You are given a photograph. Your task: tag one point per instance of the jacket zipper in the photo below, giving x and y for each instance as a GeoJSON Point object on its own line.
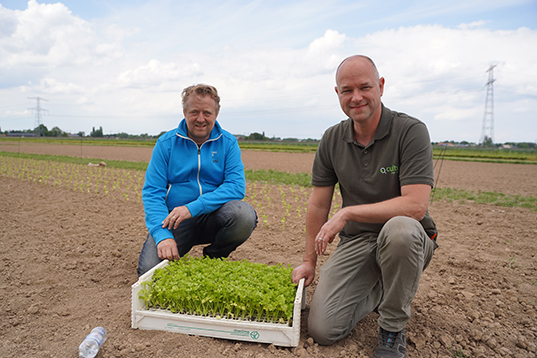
{"type": "Point", "coordinates": [199, 158]}
{"type": "Point", "coordinates": [199, 168]}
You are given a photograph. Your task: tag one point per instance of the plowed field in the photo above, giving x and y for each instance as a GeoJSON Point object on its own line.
{"type": "Point", "coordinates": [69, 257]}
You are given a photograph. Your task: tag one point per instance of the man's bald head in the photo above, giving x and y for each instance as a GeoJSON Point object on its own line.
{"type": "Point", "coordinates": [358, 58]}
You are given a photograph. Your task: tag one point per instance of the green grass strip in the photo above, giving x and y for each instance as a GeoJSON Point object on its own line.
{"type": "Point", "coordinates": [474, 154]}
{"type": "Point", "coordinates": [304, 179]}
{"type": "Point", "coordinates": [485, 197]}
{"type": "Point", "coordinates": [279, 147]}
{"type": "Point", "coordinates": [121, 164]}
{"type": "Point", "coordinates": [276, 177]}
{"type": "Point", "coordinates": [511, 156]}
{"type": "Point", "coordinates": [486, 160]}
{"type": "Point", "coordinates": [107, 142]}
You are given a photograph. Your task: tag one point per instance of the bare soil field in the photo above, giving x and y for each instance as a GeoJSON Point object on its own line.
{"type": "Point", "coordinates": [68, 259]}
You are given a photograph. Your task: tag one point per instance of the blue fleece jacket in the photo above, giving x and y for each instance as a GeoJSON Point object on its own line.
{"type": "Point", "coordinates": [180, 173]}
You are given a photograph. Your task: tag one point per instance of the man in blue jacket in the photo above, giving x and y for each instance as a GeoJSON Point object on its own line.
{"type": "Point", "coordinates": [194, 185]}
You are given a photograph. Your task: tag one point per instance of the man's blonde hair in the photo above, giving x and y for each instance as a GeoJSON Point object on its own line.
{"type": "Point", "coordinates": [201, 90]}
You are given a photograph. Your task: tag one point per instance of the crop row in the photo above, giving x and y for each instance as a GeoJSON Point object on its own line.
{"type": "Point", "coordinates": [100, 180]}
{"type": "Point", "coordinates": [277, 206]}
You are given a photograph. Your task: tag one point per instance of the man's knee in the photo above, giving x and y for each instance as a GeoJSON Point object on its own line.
{"type": "Point", "coordinates": [399, 234]}
{"type": "Point", "coordinates": [323, 326]}
{"type": "Point", "coordinates": [242, 213]}
{"type": "Point", "coordinates": [401, 226]}
{"type": "Point", "coordinates": [325, 334]}
{"type": "Point", "coordinates": [318, 328]}
{"type": "Point", "coordinates": [240, 219]}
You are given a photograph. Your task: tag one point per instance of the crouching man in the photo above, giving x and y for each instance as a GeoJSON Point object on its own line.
{"type": "Point", "coordinates": [194, 185]}
{"type": "Point", "coordinates": [383, 163]}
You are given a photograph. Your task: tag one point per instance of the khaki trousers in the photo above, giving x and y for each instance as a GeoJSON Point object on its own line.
{"type": "Point", "coordinates": [367, 272]}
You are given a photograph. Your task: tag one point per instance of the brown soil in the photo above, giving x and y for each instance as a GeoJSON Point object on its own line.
{"type": "Point", "coordinates": [69, 256]}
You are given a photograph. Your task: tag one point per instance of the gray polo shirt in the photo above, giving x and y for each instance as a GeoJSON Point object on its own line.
{"type": "Point", "coordinates": [400, 154]}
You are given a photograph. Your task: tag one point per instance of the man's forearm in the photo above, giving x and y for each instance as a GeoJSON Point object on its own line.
{"type": "Point", "coordinates": [412, 203]}
{"type": "Point", "coordinates": [315, 218]}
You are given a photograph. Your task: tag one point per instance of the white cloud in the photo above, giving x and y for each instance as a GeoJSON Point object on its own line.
{"type": "Point", "coordinates": [271, 76]}
{"type": "Point", "coordinates": [473, 25]}
{"type": "Point", "coordinates": [449, 113]}
{"type": "Point", "coordinates": [156, 73]}
{"type": "Point", "coordinates": [47, 36]}
{"type": "Point", "coordinates": [332, 40]}
{"type": "Point", "coordinates": [52, 87]}
{"type": "Point", "coordinates": [435, 57]}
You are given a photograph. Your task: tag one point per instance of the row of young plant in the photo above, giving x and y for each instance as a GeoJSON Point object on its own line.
{"type": "Point", "coordinates": [265, 189]}
{"type": "Point", "coordinates": [221, 288]}
{"type": "Point", "coordinates": [120, 183]}
{"type": "Point", "coordinates": [281, 205]}
{"type": "Point", "coordinates": [277, 205]}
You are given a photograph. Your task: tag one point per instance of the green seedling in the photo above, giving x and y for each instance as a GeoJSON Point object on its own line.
{"type": "Point", "coordinates": [223, 289]}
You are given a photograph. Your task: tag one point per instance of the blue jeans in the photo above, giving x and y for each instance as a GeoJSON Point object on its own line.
{"type": "Point", "coordinates": [224, 229]}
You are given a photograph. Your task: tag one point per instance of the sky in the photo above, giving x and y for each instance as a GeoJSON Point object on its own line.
{"type": "Point", "coordinates": [122, 64]}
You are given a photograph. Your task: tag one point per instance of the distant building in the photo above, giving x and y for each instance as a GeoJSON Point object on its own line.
{"type": "Point", "coordinates": [20, 134]}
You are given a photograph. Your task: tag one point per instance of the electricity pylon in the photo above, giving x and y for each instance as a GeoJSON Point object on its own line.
{"type": "Point", "coordinates": [487, 133]}
{"type": "Point", "coordinates": [38, 111]}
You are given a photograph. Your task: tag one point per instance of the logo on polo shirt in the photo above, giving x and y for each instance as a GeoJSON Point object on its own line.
{"type": "Point", "coordinates": [394, 169]}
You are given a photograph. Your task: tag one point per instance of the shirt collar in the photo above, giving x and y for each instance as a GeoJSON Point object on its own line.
{"type": "Point", "coordinates": [385, 123]}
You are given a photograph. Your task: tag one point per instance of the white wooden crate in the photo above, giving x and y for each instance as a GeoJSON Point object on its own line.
{"type": "Point", "coordinates": [156, 319]}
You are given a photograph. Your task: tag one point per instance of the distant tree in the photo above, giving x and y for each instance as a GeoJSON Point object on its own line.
{"type": "Point", "coordinates": [123, 135]}
{"type": "Point", "coordinates": [256, 136]}
{"type": "Point", "coordinates": [57, 132]}
{"type": "Point", "coordinates": [487, 142]}
{"type": "Point", "coordinates": [526, 145]}
{"type": "Point", "coordinates": [97, 133]}
{"type": "Point", "coordinates": [81, 134]}
{"type": "Point", "coordinates": [41, 131]}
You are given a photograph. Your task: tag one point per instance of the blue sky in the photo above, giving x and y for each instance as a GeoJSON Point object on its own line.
{"type": "Point", "coordinates": [122, 64]}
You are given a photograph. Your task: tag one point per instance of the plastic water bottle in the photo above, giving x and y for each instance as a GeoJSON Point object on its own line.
{"type": "Point", "coordinates": [91, 344]}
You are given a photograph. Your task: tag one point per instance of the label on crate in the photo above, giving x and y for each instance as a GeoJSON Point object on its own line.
{"type": "Point", "coordinates": [235, 332]}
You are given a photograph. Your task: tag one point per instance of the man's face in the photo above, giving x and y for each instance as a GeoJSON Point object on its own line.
{"type": "Point", "coordinates": [359, 90]}
{"type": "Point", "coordinates": [200, 115]}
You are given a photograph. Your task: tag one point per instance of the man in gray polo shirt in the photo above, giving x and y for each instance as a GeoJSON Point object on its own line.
{"type": "Point", "coordinates": [383, 163]}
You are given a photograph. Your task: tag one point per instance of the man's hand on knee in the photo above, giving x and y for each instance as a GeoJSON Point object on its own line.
{"type": "Point", "coordinates": [175, 217]}
{"type": "Point", "coordinates": [167, 250]}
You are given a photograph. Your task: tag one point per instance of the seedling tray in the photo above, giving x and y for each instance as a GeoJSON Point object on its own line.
{"type": "Point", "coordinates": [284, 335]}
